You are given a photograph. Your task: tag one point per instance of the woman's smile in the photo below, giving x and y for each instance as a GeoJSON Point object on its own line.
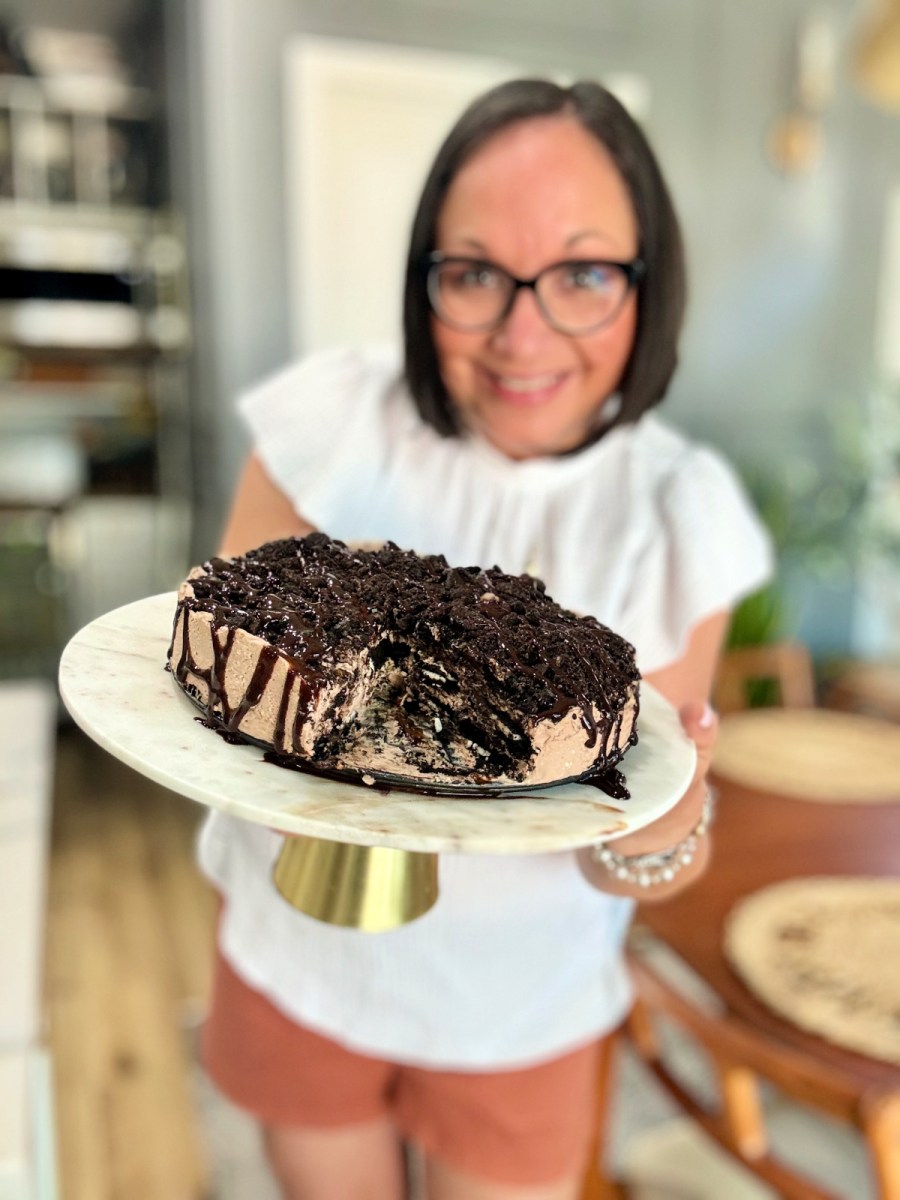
{"type": "Point", "coordinates": [525, 390]}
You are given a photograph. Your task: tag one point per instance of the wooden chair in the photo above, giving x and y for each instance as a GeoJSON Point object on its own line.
{"type": "Point", "coordinates": [866, 687]}
{"type": "Point", "coordinates": [744, 1061]}
{"type": "Point", "coordinates": [597, 1183]}
{"type": "Point", "coordinates": [787, 664]}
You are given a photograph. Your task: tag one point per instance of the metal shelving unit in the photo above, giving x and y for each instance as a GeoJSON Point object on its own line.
{"type": "Point", "coordinates": [94, 336]}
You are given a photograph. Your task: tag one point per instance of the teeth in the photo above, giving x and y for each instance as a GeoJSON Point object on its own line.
{"type": "Point", "coordinates": [534, 384]}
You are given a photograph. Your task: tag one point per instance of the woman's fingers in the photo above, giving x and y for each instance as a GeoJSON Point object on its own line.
{"type": "Point", "coordinates": [701, 724]}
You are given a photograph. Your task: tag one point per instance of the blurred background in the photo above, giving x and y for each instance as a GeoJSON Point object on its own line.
{"type": "Point", "coordinates": [193, 193]}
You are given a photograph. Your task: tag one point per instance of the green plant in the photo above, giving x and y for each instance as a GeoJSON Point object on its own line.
{"type": "Point", "coordinates": [818, 503]}
{"type": "Point", "coordinates": [757, 619]}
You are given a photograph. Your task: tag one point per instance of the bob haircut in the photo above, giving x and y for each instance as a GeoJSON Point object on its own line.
{"type": "Point", "coordinates": [661, 293]}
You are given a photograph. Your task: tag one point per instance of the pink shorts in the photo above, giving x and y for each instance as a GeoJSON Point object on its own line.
{"type": "Point", "coordinates": [532, 1126]}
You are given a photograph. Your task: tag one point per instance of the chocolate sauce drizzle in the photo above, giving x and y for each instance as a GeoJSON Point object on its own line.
{"type": "Point", "coordinates": [496, 639]}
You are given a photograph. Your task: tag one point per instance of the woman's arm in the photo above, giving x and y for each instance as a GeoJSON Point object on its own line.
{"type": "Point", "coordinates": [260, 512]}
{"type": "Point", "coordinates": [687, 684]}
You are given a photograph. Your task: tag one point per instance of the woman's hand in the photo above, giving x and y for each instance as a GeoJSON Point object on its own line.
{"type": "Point", "coordinates": [701, 725]}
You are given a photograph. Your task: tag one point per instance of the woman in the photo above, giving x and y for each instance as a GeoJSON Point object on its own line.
{"type": "Point", "coordinates": [544, 296]}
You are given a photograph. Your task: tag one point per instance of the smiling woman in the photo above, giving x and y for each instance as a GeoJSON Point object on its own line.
{"type": "Point", "coordinates": [525, 177]}
{"type": "Point", "coordinates": [524, 385]}
{"type": "Point", "coordinates": [544, 296]}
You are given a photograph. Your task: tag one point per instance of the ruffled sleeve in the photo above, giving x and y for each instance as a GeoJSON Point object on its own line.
{"type": "Point", "coordinates": [705, 550]}
{"type": "Point", "coordinates": [318, 426]}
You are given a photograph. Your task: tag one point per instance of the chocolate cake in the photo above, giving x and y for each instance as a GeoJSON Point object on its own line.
{"type": "Point", "coordinates": [385, 663]}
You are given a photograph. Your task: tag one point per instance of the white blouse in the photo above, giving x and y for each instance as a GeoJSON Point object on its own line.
{"type": "Point", "coordinates": [520, 958]}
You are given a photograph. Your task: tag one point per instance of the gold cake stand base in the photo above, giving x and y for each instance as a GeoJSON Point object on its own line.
{"type": "Point", "coordinates": [371, 888]}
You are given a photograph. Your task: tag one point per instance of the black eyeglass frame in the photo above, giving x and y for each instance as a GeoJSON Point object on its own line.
{"type": "Point", "coordinates": [634, 272]}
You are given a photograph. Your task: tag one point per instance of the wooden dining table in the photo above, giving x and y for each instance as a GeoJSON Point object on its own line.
{"type": "Point", "coordinates": [762, 837]}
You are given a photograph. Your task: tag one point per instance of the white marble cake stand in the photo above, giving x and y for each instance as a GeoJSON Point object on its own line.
{"type": "Point", "coordinates": [113, 682]}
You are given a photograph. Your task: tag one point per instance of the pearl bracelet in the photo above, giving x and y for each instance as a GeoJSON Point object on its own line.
{"type": "Point", "coordinates": [648, 870]}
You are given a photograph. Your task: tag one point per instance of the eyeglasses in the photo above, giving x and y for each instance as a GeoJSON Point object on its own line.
{"type": "Point", "coordinates": [576, 297]}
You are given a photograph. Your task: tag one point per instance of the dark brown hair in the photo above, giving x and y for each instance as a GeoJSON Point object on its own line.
{"type": "Point", "coordinates": [661, 298]}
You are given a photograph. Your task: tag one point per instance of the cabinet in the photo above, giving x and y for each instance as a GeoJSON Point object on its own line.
{"type": "Point", "coordinates": [95, 335]}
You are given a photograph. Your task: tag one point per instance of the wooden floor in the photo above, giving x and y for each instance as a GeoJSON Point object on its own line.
{"type": "Point", "coordinates": [129, 936]}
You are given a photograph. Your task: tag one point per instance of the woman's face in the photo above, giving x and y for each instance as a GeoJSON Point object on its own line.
{"type": "Point", "coordinates": [537, 193]}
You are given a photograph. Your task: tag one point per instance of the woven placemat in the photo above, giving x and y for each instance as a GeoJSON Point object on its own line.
{"type": "Point", "coordinates": [811, 754]}
{"type": "Point", "coordinates": [824, 953]}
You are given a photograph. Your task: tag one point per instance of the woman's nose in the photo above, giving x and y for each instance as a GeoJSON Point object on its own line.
{"type": "Point", "coordinates": [525, 328]}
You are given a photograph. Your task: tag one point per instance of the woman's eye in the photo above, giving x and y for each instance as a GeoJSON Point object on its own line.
{"type": "Point", "coordinates": [589, 276]}
{"type": "Point", "coordinates": [478, 277]}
